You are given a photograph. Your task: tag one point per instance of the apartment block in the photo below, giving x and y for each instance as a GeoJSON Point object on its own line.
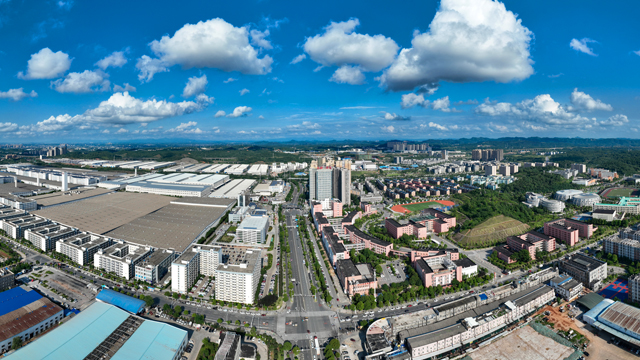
{"type": "Point", "coordinates": [565, 230]}
{"type": "Point", "coordinates": [396, 229]}
{"type": "Point", "coordinates": [153, 268]}
{"type": "Point", "coordinates": [333, 245]}
{"type": "Point", "coordinates": [622, 247]}
{"type": "Point", "coordinates": [15, 227]}
{"type": "Point", "coordinates": [121, 258]}
{"type": "Point", "coordinates": [45, 237]}
{"type": "Point", "coordinates": [185, 271]}
{"type": "Point", "coordinates": [372, 243]}
{"type": "Point", "coordinates": [532, 241]}
{"type": "Point", "coordinates": [566, 286]}
{"type": "Point", "coordinates": [81, 248]}
{"type": "Point", "coordinates": [238, 279]}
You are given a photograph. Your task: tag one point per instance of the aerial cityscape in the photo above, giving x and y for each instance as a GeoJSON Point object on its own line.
{"type": "Point", "coordinates": [452, 179]}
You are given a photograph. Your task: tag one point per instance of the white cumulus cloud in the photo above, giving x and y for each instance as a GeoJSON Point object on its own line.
{"type": "Point", "coordinates": [16, 94]}
{"type": "Point", "coordinates": [46, 64]}
{"type": "Point", "coordinates": [438, 126]}
{"type": "Point", "coordinates": [8, 127]}
{"type": "Point", "coordinates": [583, 46]}
{"type": "Point", "coordinates": [259, 39]}
{"type": "Point", "coordinates": [187, 128]}
{"type": "Point", "coordinates": [410, 100]}
{"type": "Point", "coordinates": [467, 41]}
{"type": "Point", "coordinates": [393, 116]}
{"type": "Point", "coordinates": [340, 45]}
{"type": "Point", "coordinates": [388, 129]}
{"type": "Point", "coordinates": [195, 85]}
{"type": "Point", "coordinates": [220, 113]}
{"type": "Point", "coordinates": [240, 111]}
{"type": "Point", "coordinates": [115, 59]}
{"type": "Point", "coordinates": [244, 92]}
{"type": "Point", "coordinates": [348, 75]}
{"type": "Point", "coordinates": [298, 58]}
{"type": "Point", "coordinates": [84, 82]}
{"type": "Point", "coordinates": [123, 109]}
{"type": "Point", "coordinates": [542, 108]}
{"type": "Point", "coordinates": [615, 120]}
{"type": "Point", "coordinates": [208, 44]}
{"type": "Point", "coordinates": [584, 101]}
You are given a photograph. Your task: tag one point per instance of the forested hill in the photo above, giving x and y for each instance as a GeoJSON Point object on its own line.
{"type": "Point", "coordinates": [624, 161]}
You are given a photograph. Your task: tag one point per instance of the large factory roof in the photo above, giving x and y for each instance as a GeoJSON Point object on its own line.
{"type": "Point", "coordinates": [102, 214]}
{"type": "Point", "coordinates": [174, 226]}
{"type": "Point", "coordinates": [233, 188]}
{"type": "Point", "coordinates": [58, 198]}
{"type": "Point", "coordinates": [80, 337]}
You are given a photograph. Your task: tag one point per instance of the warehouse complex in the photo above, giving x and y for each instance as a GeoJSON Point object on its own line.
{"type": "Point", "coordinates": [25, 313]}
{"type": "Point", "coordinates": [105, 331]}
{"type": "Point", "coordinates": [616, 318]}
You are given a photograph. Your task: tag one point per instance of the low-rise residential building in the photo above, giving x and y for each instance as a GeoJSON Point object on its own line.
{"type": "Point", "coordinates": [320, 221]}
{"type": "Point", "coordinates": [45, 237]}
{"type": "Point", "coordinates": [569, 231]}
{"type": "Point", "coordinates": [238, 279]}
{"type": "Point", "coordinates": [81, 248]}
{"type": "Point", "coordinates": [333, 245]}
{"type": "Point", "coordinates": [355, 278]}
{"type": "Point", "coordinates": [589, 271]}
{"type": "Point", "coordinates": [253, 230]}
{"type": "Point", "coordinates": [121, 258]}
{"type": "Point", "coordinates": [440, 267]}
{"type": "Point", "coordinates": [566, 286]}
{"type": "Point", "coordinates": [372, 243]}
{"type": "Point", "coordinates": [350, 218]}
{"type": "Point", "coordinates": [532, 241]}
{"type": "Point", "coordinates": [155, 266]}
{"type": "Point", "coordinates": [396, 229]}
{"type": "Point", "coordinates": [504, 253]}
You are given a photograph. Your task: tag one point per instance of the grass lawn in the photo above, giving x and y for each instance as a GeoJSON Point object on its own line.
{"type": "Point", "coordinates": [622, 192]}
{"type": "Point", "coordinates": [496, 228]}
{"type": "Point", "coordinates": [421, 206]}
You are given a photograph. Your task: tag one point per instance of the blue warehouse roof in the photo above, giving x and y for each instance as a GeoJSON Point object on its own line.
{"type": "Point", "coordinates": [122, 301]}
{"type": "Point", "coordinates": [16, 298]}
{"type": "Point", "coordinates": [79, 336]}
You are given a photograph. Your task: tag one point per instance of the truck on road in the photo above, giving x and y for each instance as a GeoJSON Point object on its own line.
{"type": "Point", "coordinates": [315, 338]}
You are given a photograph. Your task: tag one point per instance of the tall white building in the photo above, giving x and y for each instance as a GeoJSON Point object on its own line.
{"type": "Point", "coordinates": [320, 183]}
{"type": "Point", "coordinates": [198, 259]}
{"type": "Point", "coordinates": [237, 280]}
{"type": "Point", "coordinates": [184, 271]}
{"type": "Point", "coordinates": [80, 248]}
{"type": "Point", "coordinates": [45, 237]}
{"type": "Point", "coordinates": [253, 230]}
{"type": "Point", "coordinates": [121, 258]}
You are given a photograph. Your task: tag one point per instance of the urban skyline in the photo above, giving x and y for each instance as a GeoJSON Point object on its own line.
{"type": "Point", "coordinates": [279, 72]}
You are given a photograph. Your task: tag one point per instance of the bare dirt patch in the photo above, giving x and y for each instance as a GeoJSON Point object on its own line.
{"type": "Point", "coordinates": [523, 344]}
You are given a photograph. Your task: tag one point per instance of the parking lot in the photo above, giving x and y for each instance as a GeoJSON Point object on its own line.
{"type": "Point", "coordinates": [388, 277]}
{"type": "Point", "coordinates": [55, 283]}
{"type": "Point", "coordinates": [204, 288]}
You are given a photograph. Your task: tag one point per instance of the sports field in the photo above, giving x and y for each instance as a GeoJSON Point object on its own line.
{"type": "Point", "coordinates": [407, 208]}
{"type": "Point", "coordinates": [496, 228]}
{"type": "Point", "coordinates": [619, 192]}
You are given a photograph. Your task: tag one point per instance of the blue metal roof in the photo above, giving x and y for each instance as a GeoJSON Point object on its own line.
{"type": "Point", "coordinates": [16, 298]}
{"type": "Point", "coordinates": [122, 301]}
{"type": "Point", "coordinates": [152, 340]}
{"type": "Point", "coordinates": [79, 336]}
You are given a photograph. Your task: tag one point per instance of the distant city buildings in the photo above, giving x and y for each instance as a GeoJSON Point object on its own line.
{"type": "Point", "coordinates": [487, 155]}
{"type": "Point", "coordinates": [603, 174]}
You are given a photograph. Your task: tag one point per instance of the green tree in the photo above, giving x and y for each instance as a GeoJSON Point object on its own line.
{"type": "Point", "coordinates": [16, 343]}
{"type": "Point", "coordinates": [522, 256]}
{"type": "Point", "coordinates": [220, 321]}
{"type": "Point", "coordinates": [295, 350]}
{"type": "Point", "coordinates": [287, 346]}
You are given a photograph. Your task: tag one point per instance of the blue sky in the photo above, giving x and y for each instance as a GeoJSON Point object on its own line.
{"type": "Point", "coordinates": [73, 71]}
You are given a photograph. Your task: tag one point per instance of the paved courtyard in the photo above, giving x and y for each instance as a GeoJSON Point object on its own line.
{"type": "Point", "coordinates": [523, 344]}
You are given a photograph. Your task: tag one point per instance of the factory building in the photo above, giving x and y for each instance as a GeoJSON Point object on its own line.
{"type": "Point", "coordinates": [616, 318]}
{"type": "Point", "coordinates": [81, 248]}
{"type": "Point", "coordinates": [589, 271]}
{"type": "Point", "coordinates": [169, 189]}
{"type": "Point", "coordinates": [121, 258]}
{"type": "Point", "coordinates": [18, 202]}
{"type": "Point", "coordinates": [103, 331]}
{"type": "Point", "coordinates": [26, 314]}
{"type": "Point", "coordinates": [238, 279]}
{"type": "Point", "coordinates": [45, 237]}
